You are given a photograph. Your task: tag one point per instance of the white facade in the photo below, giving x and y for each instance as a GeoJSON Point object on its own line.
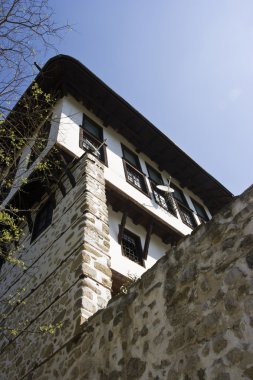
{"type": "Point", "coordinates": [121, 263]}
{"type": "Point", "coordinates": [65, 132]}
{"type": "Point", "coordinates": [68, 137]}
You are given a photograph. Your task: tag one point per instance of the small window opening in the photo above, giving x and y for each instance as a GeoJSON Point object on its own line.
{"type": "Point", "coordinates": [131, 247]}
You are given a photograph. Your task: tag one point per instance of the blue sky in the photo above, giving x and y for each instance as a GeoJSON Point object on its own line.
{"type": "Point", "coordinates": [186, 65]}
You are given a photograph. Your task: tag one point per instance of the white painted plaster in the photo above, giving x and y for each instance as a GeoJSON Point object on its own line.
{"type": "Point", "coordinates": [65, 131]}
{"type": "Point", "coordinates": [68, 138]}
{"type": "Point", "coordinates": [121, 263]}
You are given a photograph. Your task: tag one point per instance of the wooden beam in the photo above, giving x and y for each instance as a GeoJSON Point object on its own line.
{"type": "Point", "coordinates": [147, 240]}
{"type": "Point", "coordinates": [122, 226]}
{"type": "Point", "coordinates": [107, 121]}
{"type": "Point", "coordinates": [137, 218]}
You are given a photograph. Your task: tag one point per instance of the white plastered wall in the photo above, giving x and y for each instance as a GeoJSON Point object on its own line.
{"type": "Point", "coordinates": [68, 138]}
{"type": "Point", "coordinates": [121, 263]}
{"type": "Point", "coordinates": [65, 131]}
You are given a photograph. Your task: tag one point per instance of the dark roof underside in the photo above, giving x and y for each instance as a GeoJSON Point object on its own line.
{"type": "Point", "coordinates": [69, 76]}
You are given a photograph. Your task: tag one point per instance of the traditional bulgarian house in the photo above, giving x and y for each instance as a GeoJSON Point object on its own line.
{"type": "Point", "coordinates": [117, 194]}
{"type": "Point", "coordinates": [155, 193]}
{"type": "Point", "coordinates": [125, 193]}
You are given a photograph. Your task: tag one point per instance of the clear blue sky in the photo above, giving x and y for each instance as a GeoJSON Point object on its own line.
{"type": "Point", "coordinates": [186, 65]}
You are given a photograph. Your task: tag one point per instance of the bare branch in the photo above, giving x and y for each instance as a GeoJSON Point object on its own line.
{"type": "Point", "coordinates": [27, 30]}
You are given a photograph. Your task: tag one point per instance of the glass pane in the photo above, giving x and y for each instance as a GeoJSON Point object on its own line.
{"type": "Point", "coordinates": [187, 217]}
{"type": "Point", "coordinates": [163, 200]}
{"type": "Point", "coordinates": [178, 195]}
{"type": "Point", "coordinates": [135, 178]}
{"type": "Point", "coordinates": [131, 157]}
{"type": "Point", "coordinates": [160, 199]}
{"type": "Point", "coordinates": [155, 175]}
{"type": "Point", "coordinates": [130, 246]}
{"type": "Point", "coordinates": [43, 219]}
{"type": "Point", "coordinates": [92, 128]}
{"type": "Point", "coordinates": [200, 210]}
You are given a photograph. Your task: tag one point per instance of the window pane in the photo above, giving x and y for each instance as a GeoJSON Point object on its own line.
{"type": "Point", "coordinates": [178, 195]}
{"type": "Point", "coordinates": [131, 157]}
{"type": "Point", "coordinates": [154, 175]}
{"type": "Point", "coordinates": [163, 199]}
{"type": "Point", "coordinates": [136, 178]}
{"type": "Point", "coordinates": [91, 138]}
{"type": "Point", "coordinates": [92, 128]}
{"type": "Point", "coordinates": [43, 219]}
{"type": "Point", "coordinates": [131, 247]}
{"type": "Point", "coordinates": [200, 210]}
{"type": "Point", "coordinates": [160, 199]}
{"type": "Point", "coordinates": [187, 216]}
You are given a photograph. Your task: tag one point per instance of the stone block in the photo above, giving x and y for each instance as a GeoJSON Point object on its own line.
{"type": "Point", "coordinates": [88, 305]}
{"type": "Point", "coordinates": [219, 343]}
{"type": "Point", "coordinates": [102, 268]}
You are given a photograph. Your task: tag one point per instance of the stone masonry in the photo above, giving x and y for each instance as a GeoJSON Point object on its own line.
{"type": "Point", "coordinates": [68, 274]}
{"type": "Point", "coordinates": [190, 317]}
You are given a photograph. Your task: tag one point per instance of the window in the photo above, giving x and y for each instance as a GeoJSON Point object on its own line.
{"type": "Point", "coordinates": [161, 198]}
{"type": "Point", "coordinates": [91, 139]}
{"type": "Point", "coordinates": [131, 247]}
{"type": "Point", "coordinates": [183, 208]}
{"type": "Point", "coordinates": [154, 175]}
{"type": "Point", "coordinates": [131, 158]}
{"type": "Point", "coordinates": [43, 218]}
{"type": "Point", "coordinates": [132, 168]}
{"type": "Point", "coordinates": [201, 212]}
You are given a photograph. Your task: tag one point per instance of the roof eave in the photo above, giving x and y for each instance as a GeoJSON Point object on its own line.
{"type": "Point", "coordinates": [70, 76]}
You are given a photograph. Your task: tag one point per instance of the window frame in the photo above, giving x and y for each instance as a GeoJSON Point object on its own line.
{"type": "Point", "coordinates": [150, 169]}
{"type": "Point", "coordinates": [42, 216]}
{"type": "Point", "coordinates": [85, 134]}
{"type": "Point", "coordinates": [183, 208]}
{"type": "Point", "coordinates": [137, 240]}
{"type": "Point", "coordinates": [136, 158]}
{"type": "Point", "coordinates": [202, 219]}
{"type": "Point", "coordinates": [129, 168]}
{"type": "Point", "coordinates": [157, 194]}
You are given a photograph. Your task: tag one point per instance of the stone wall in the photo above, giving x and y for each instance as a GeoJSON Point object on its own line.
{"type": "Point", "coordinates": [190, 317]}
{"type": "Point", "coordinates": [67, 278]}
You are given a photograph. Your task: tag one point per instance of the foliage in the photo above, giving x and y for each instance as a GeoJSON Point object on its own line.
{"type": "Point", "coordinates": [10, 234]}
{"type": "Point", "coordinates": [16, 132]}
{"type": "Point", "coordinates": [27, 30]}
{"type": "Point", "coordinates": [38, 106]}
{"type": "Point", "coordinates": [22, 327]}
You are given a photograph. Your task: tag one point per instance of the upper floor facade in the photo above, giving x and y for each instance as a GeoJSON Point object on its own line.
{"type": "Point", "coordinates": [141, 165]}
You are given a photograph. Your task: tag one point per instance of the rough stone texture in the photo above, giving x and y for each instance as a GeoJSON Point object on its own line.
{"type": "Point", "coordinates": [68, 277]}
{"type": "Point", "coordinates": [190, 317]}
